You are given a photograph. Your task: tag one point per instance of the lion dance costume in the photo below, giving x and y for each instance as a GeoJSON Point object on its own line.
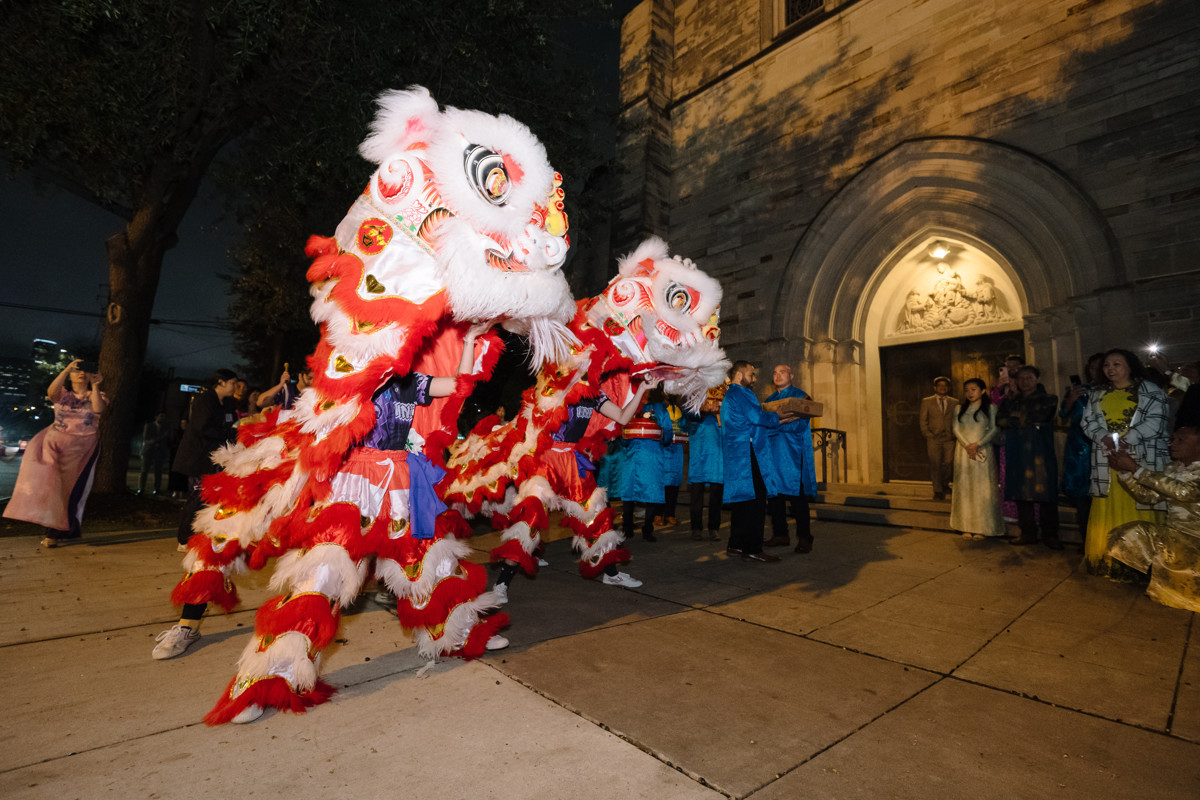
{"type": "Point", "coordinates": [461, 221]}
{"type": "Point", "coordinates": [658, 317]}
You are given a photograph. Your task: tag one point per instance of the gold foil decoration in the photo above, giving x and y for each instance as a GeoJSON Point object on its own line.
{"type": "Point", "coordinates": [342, 365]}
{"type": "Point", "coordinates": [374, 286]}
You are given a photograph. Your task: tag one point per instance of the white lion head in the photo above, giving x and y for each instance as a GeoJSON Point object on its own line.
{"type": "Point", "coordinates": [663, 309]}
{"type": "Point", "coordinates": [465, 201]}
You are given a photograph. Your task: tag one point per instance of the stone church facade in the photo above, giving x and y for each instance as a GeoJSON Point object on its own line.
{"type": "Point", "coordinates": [889, 190]}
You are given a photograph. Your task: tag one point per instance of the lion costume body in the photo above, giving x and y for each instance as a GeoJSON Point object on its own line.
{"type": "Point", "coordinates": [461, 221]}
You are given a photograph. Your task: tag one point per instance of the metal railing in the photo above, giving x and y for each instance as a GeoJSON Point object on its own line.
{"type": "Point", "coordinates": [831, 444]}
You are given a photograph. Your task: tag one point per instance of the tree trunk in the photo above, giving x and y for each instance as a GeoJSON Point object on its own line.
{"type": "Point", "coordinates": [133, 275]}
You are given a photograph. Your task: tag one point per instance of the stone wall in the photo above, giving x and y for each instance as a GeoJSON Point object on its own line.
{"type": "Point", "coordinates": [734, 141]}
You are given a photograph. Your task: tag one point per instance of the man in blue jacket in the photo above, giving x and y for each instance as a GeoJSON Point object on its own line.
{"type": "Point", "coordinates": [793, 451]}
{"type": "Point", "coordinates": [750, 477]}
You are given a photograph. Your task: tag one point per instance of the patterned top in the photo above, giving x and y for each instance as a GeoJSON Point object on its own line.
{"type": "Point", "coordinates": [75, 417]}
{"type": "Point", "coordinates": [395, 403]}
{"type": "Point", "coordinates": [1118, 406]}
{"type": "Point", "coordinates": [578, 417]}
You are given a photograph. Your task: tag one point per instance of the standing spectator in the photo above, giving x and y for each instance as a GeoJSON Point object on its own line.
{"type": "Point", "coordinates": [60, 461]}
{"type": "Point", "coordinates": [1126, 413]}
{"type": "Point", "coordinates": [706, 467]}
{"type": "Point", "coordinates": [1006, 386]}
{"type": "Point", "coordinates": [210, 425]}
{"type": "Point", "coordinates": [643, 479]}
{"type": "Point", "coordinates": [672, 455]}
{"type": "Point", "coordinates": [975, 505]}
{"type": "Point", "coordinates": [1032, 474]}
{"type": "Point", "coordinates": [937, 426]}
{"type": "Point", "coordinates": [1077, 454]}
{"type": "Point", "coordinates": [156, 449]}
{"type": "Point", "coordinates": [793, 454]}
{"type": "Point", "coordinates": [285, 394]}
{"type": "Point", "coordinates": [750, 475]}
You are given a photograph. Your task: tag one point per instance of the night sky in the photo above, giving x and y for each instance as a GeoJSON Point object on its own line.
{"type": "Point", "coordinates": [57, 261]}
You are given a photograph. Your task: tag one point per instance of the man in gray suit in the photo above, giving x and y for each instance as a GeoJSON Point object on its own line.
{"type": "Point", "coordinates": [937, 420]}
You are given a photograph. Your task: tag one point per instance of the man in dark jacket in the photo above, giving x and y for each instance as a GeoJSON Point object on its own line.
{"type": "Point", "coordinates": [210, 425]}
{"type": "Point", "coordinates": [1031, 471]}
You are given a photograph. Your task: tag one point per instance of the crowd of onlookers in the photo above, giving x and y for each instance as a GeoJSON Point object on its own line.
{"type": "Point", "coordinates": [999, 446]}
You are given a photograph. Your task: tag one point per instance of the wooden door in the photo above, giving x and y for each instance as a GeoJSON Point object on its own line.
{"type": "Point", "coordinates": [908, 371]}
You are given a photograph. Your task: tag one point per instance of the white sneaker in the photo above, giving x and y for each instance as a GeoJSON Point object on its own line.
{"type": "Point", "coordinates": [174, 641]}
{"type": "Point", "coordinates": [500, 590]}
{"type": "Point", "coordinates": [181, 548]}
{"type": "Point", "coordinates": [622, 579]}
{"type": "Point", "coordinates": [497, 642]}
{"type": "Point", "coordinates": [249, 714]}
{"type": "Point", "coordinates": [543, 562]}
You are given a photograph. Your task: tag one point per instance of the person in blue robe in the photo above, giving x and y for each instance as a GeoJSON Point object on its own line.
{"type": "Point", "coordinates": [792, 448]}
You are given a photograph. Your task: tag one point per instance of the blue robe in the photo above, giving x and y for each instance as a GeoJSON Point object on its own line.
{"type": "Point", "coordinates": [612, 467]}
{"type": "Point", "coordinates": [791, 445]}
{"type": "Point", "coordinates": [746, 427]}
{"type": "Point", "coordinates": [706, 451]}
{"type": "Point", "coordinates": [673, 454]}
{"type": "Point", "coordinates": [644, 471]}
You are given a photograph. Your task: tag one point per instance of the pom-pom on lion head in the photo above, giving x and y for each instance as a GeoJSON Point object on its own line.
{"type": "Point", "coordinates": [466, 201]}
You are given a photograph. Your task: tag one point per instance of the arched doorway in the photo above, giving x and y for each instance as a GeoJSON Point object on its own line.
{"type": "Point", "coordinates": [863, 278]}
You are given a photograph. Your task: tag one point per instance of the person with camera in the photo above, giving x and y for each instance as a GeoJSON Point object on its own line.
{"type": "Point", "coordinates": [60, 461]}
{"type": "Point", "coordinates": [1128, 413]}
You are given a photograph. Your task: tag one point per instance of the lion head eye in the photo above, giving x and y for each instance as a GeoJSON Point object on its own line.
{"type": "Point", "coordinates": [486, 172]}
{"type": "Point", "coordinates": [679, 298]}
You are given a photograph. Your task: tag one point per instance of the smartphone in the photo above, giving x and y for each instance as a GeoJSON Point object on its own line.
{"type": "Point", "coordinates": [90, 367]}
{"type": "Point", "coordinates": [1075, 381]}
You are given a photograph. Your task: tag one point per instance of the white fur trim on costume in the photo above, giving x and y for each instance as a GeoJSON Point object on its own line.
{"type": "Point", "coordinates": [606, 543]}
{"type": "Point", "coordinates": [326, 568]}
{"type": "Point", "coordinates": [286, 657]}
{"type": "Point", "coordinates": [521, 532]}
{"type": "Point", "coordinates": [406, 117]}
{"type": "Point", "coordinates": [441, 559]}
{"type": "Point", "coordinates": [529, 183]}
{"type": "Point", "coordinates": [457, 628]}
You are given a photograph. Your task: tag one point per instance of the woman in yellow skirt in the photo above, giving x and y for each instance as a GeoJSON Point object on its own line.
{"type": "Point", "coordinates": [1128, 413]}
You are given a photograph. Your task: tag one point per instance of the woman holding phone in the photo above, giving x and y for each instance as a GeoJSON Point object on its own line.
{"type": "Point", "coordinates": [1128, 413]}
{"type": "Point", "coordinates": [60, 461]}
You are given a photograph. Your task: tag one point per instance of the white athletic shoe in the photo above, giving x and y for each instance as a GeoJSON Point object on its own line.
{"type": "Point", "coordinates": [181, 548]}
{"type": "Point", "coordinates": [543, 562]}
{"type": "Point", "coordinates": [501, 592]}
{"type": "Point", "coordinates": [497, 642]}
{"type": "Point", "coordinates": [622, 579]}
{"type": "Point", "coordinates": [174, 641]}
{"type": "Point", "coordinates": [249, 714]}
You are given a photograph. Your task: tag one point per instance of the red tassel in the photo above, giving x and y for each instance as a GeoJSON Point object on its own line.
{"type": "Point", "coordinates": [273, 692]}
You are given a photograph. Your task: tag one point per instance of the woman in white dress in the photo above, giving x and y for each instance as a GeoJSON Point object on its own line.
{"type": "Point", "coordinates": [975, 503]}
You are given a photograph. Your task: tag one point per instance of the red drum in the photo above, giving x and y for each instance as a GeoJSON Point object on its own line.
{"type": "Point", "coordinates": [642, 428]}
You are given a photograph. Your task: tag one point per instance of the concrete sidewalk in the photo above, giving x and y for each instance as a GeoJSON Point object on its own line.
{"type": "Point", "coordinates": [888, 663]}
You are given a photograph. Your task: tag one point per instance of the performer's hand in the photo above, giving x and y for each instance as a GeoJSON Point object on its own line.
{"type": "Point", "coordinates": [477, 330]}
{"type": "Point", "coordinates": [285, 377]}
{"type": "Point", "coordinates": [787, 416]}
{"type": "Point", "coordinates": [1121, 461]}
{"type": "Point", "coordinates": [972, 449]}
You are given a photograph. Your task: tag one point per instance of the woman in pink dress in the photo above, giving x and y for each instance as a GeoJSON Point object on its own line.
{"type": "Point", "coordinates": [60, 461]}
